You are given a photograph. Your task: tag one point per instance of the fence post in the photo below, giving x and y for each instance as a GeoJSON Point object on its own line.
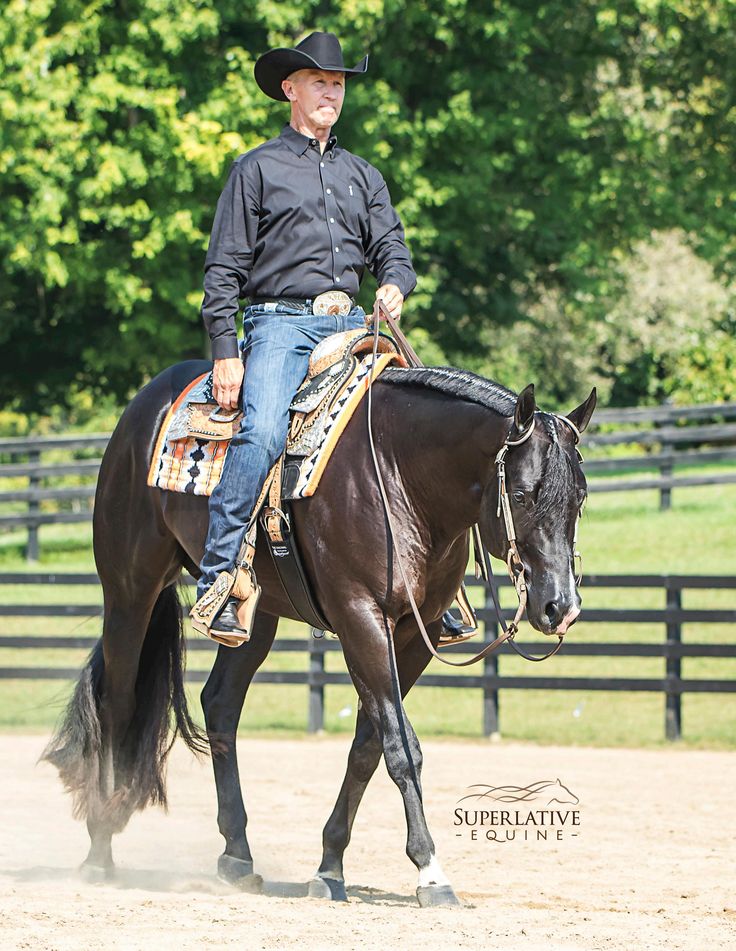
{"type": "Point", "coordinates": [316, 719]}
{"type": "Point", "coordinates": [32, 548]}
{"type": "Point", "coordinates": [673, 701]}
{"type": "Point", "coordinates": [491, 727]}
{"type": "Point", "coordinates": [666, 469]}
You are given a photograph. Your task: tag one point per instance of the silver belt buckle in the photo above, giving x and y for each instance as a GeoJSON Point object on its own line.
{"type": "Point", "coordinates": [331, 304]}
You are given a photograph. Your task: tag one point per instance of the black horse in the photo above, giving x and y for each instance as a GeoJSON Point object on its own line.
{"type": "Point", "coordinates": [437, 432]}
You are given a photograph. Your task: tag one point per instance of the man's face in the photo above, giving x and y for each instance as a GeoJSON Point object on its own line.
{"type": "Point", "coordinates": [317, 93]}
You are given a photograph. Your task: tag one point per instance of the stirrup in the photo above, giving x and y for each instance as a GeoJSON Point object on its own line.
{"type": "Point", "coordinates": [454, 631]}
{"type": "Point", "coordinates": [241, 585]}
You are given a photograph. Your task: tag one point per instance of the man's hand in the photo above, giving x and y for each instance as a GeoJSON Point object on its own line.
{"type": "Point", "coordinates": [227, 379]}
{"type": "Point", "coordinates": [392, 298]}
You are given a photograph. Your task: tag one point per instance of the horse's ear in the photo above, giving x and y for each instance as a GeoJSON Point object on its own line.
{"type": "Point", "coordinates": [525, 407]}
{"type": "Point", "coordinates": [580, 416]}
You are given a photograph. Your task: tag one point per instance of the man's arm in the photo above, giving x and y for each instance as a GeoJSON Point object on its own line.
{"type": "Point", "coordinates": [386, 253]}
{"type": "Point", "coordinates": [227, 265]}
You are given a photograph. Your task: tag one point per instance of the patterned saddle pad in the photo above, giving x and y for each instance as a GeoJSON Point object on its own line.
{"type": "Point", "coordinates": [191, 446]}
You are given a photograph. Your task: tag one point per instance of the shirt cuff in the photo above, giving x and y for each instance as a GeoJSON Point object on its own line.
{"type": "Point", "coordinates": [225, 347]}
{"type": "Point", "coordinates": [405, 284]}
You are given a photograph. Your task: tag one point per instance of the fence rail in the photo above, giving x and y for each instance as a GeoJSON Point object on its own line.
{"type": "Point", "coordinates": [668, 439]}
{"type": "Point", "coordinates": [672, 437]}
{"type": "Point", "coordinates": [488, 679]}
{"type": "Point", "coordinates": [666, 413]}
{"type": "Point", "coordinates": [30, 449]}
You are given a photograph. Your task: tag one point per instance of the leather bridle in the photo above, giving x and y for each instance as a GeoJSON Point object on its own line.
{"type": "Point", "coordinates": [514, 562]}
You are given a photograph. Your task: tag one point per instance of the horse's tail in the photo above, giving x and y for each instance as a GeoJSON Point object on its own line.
{"type": "Point", "coordinates": [161, 713]}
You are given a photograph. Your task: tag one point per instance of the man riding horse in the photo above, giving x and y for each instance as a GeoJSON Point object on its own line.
{"type": "Point", "coordinates": [298, 221]}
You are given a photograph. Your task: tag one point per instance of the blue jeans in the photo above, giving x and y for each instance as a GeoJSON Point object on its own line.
{"type": "Point", "coordinates": [277, 346]}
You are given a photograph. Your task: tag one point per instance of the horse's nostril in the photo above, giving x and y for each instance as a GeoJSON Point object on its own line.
{"type": "Point", "coordinates": [552, 611]}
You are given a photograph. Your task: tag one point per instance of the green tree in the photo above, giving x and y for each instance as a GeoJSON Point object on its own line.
{"type": "Point", "coordinates": [526, 145]}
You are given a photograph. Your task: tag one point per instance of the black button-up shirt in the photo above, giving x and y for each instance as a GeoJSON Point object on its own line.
{"type": "Point", "coordinates": [294, 222]}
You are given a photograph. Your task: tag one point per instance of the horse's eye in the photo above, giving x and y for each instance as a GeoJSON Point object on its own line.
{"type": "Point", "coordinates": [519, 496]}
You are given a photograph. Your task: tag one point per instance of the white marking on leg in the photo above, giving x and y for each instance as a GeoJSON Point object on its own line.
{"type": "Point", "coordinates": [432, 874]}
{"type": "Point", "coordinates": [323, 876]}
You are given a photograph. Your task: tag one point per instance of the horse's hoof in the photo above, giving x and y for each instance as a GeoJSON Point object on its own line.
{"type": "Point", "coordinates": [332, 888]}
{"type": "Point", "coordinates": [239, 873]}
{"type": "Point", "coordinates": [95, 874]}
{"type": "Point", "coordinates": [431, 896]}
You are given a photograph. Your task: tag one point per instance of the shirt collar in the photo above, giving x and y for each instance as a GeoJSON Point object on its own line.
{"type": "Point", "coordinates": [299, 143]}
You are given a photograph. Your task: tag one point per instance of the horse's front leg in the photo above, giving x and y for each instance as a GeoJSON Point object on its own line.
{"type": "Point", "coordinates": [369, 653]}
{"type": "Point", "coordinates": [222, 701]}
{"type": "Point", "coordinates": [363, 759]}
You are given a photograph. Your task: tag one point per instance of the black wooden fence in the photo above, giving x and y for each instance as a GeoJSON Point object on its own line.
{"type": "Point", "coordinates": [487, 679]}
{"type": "Point", "coordinates": [676, 444]}
{"type": "Point", "coordinates": [667, 440]}
{"type": "Point", "coordinates": [26, 462]}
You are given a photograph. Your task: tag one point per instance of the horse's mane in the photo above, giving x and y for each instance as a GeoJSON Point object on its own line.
{"type": "Point", "coordinates": [559, 477]}
{"type": "Point", "coordinates": [460, 383]}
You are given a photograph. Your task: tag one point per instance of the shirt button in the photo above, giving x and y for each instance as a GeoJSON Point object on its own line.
{"type": "Point", "coordinates": [322, 164]}
{"type": "Point", "coordinates": [329, 191]}
{"type": "Point", "coordinates": [336, 248]}
{"type": "Point", "coordinates": [313, 142]}
{"type": "Point", "coordinates": [337, 280]}
{"type": "Point", "coordinates": [332, 221]}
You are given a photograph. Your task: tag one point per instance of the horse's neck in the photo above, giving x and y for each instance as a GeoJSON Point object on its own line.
{"type": "Point", "coordinates": [444, 449]}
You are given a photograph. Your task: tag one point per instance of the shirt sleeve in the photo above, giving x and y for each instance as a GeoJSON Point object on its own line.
{"type": "Point", "coordinates": [230, 257]}
{"type": "Point", "coordinates": [386, 253]}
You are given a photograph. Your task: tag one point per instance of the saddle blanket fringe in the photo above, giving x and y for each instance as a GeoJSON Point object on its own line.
{"type": "Point", "coordinates": [191, 464]}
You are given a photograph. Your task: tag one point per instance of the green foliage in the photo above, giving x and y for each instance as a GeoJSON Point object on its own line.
{"type": "Point", "coordinates": [666, 334]}
{"type": "Point", "coordinates": [527, 147]}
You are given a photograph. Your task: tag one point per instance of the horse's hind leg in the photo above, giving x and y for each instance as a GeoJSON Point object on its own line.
{"type": "Point", "coordinates": [133, 724]}
{"type": "Point", "coordinates": [363, 759]}
{"type": "Point", "coordinates": [222, 701]}
{"type": "Point", "coordinates": [122, 638]}
{"type": "Point", "coordinates": [112, 744]}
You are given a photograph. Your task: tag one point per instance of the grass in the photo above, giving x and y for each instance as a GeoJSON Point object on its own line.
{"type": "Point", "coordinates": [621, 534]}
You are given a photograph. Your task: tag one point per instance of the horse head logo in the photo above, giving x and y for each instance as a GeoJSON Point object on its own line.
{"type": "Point", "coordinates": [542, 793]}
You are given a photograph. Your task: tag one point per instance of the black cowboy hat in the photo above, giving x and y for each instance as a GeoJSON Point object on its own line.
{"type": "Point", "coordinates": [317, 51]}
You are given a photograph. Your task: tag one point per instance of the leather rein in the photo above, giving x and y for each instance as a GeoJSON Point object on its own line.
{"type": "Point", "coordinates": [483, 568]}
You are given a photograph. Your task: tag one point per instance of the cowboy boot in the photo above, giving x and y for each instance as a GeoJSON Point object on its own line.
{"type": "Point", "coordinates": [226, 624]}
{"type": "Point", "coordinates": [454, 631]}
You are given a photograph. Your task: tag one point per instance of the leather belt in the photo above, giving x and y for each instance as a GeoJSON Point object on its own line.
{"type": "Point", "coordinates": [331, 302]}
